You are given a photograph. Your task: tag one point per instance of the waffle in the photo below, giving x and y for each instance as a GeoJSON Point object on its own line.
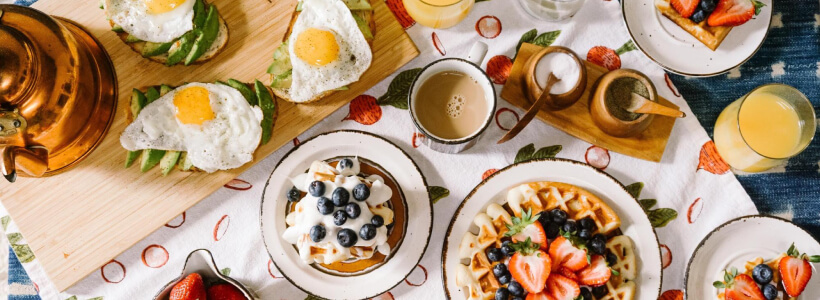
{"type": "Point", "coordinates": [578, 203]}
{"type": "Point", "coordinates": [476, 277]}
{"type": "Point", "coordinates": [708, 35]}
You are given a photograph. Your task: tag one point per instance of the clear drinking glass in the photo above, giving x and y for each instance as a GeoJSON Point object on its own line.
{"type": "Point", "coordinates": [764, 128]}
{"type": "Point", "coordinates": [552, 10]}
{"type": "Point", "coordinates": [438, 13]}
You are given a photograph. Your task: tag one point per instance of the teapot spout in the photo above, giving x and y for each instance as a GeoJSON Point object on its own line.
{"type": "Point", "coordinates": [32, 161]}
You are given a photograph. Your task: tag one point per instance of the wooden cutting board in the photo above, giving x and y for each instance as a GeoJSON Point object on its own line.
{"type": "Point", "coordinates": [79, 220]}
{"type": "Point", "coordinates": [576, 120]}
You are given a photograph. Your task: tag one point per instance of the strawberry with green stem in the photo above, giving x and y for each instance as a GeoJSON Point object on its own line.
{"type": "Point", "coordinates": [739, 286]}
{"type": "Point", "coordinates": [527, 228]}
{"type": "Point", "coordinates": [608, 58]}
{"type": "Point", "coordinates": [530, 266]}
{"type": "Point", "coordinates": [796, 270]}
{"type": "Point", "coordinates": [734, 12]}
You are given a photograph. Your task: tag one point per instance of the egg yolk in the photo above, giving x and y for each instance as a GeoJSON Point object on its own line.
{"type": "Point", "coordinates": [193, 105]}
{"type": "Point", "coordinates": [316, 47]}
{"type": "Point", "coordinates": [162, 6]}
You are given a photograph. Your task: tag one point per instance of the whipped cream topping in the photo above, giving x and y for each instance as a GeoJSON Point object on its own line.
{"type": "Point", "coordinates": [306, 215]}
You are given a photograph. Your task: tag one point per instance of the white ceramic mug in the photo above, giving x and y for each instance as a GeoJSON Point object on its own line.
{"type": "Point", "coordinates": [470, 66]}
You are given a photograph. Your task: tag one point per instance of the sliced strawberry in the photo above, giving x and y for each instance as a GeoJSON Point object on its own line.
{"type": "Point", "coordinates": [190, 288]}
{"type": "Point", "coordinates": [224, 292]}
{"type": "Point", "coordinates": [562, 288]}
{"type": "Point", "coordinates": [596, 274]}
{"type": "Point", "coordinates": [568, 274]}
{"type": "Point", "coordinates": [531, 269]}
{"type": "Point", "coordinates": [685, 8]}
{"type": "Point", "coordinates": [525, 227]}
{"type": "Point", "coordinates": [744, 288]}
{"type": "Point", "coordinates": [734, 12]}
{"type": "Point", "coordinates": [564, 254]}
{"type": "Point", "coordinates": [544, 295]}
{"type": "Point", "coordinates": [796, 273]}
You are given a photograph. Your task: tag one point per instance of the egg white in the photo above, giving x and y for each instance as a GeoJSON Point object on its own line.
{"type": "Point", "coordinates": [225, 142]}
{"type": "Point", "coordinates": [355, 55]}
{"type": "Point", "coordinates": [135, 19]}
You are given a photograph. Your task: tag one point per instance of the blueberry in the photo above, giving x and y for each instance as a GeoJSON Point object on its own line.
{"type": "Point", "coordinates": [500, 270]}
{"type": "Point", "coordinates": [504, 279]}
{"type": "Point", "coordinates": [611, 258]}
{"type": "Point", "coordinates": [770, 292]}
{"type": "Point", "coordinates": [516, 289]}
{"type": "Point", "coordinates": [361, 192]}
{"type": "Point", "coordinates": [600, 291]}
{"type": "Point", "coordinates": [552, 230]}
{"type": "Point", "coordinates": [545, 219]}
{"type": "Point", "coordinates": [347, 237]}
{"type": "Point", "coordinates": [507, 249]}
{"type": "Point", "coordinates": [586, 294]}
{"type": "Point", "coordinates": [495, 254]}
{"type": "Point", "coordinates": [708, 5]}
{"type": "Point", "coordinates": [587, 223]}
{"type": "Point", "coordinates": [600, 237]}
{"type": "Point", "coordinates": [353, 210]}
{"type": "Point", "coordinates": [340, 197]}
{"type": "Point", "coordinates": [339, 218]}
{"type": "Point", "coordinates": [502, 294]}
{"type": "Point", "coordinates": [316, 188]}
{"type": "Point", "coordinates": [558, 216]}
{"type": "Point", "coordinates": [377, 221]}
{"type": "Point", "coordinates": [317, 233]}
{"type": "Point", "coordinates": [368, 232]}
{"type": "Point", "coordinates": [294, 194]}
{"type": "Point", "coordinates": [597, 244]}
{"type": "Point", "coordinates": [762, 274]}
{"type": "Point", "coordinates": [585, 234]}
{"type": "Point", "coordinates": [570, 227]}
{"type": "Point", "coordinates": [346, 163]}
{"type": "Point", "coordinates": [325, 206]}
{"type": "Point", "coordinates": [699, 15]}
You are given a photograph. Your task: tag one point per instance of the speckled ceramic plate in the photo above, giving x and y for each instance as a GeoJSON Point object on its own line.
{"type": "Point", "coordinates": [740, 240]}
{"type": "Point", "coordinates": [677, 51]}
{"type": "Point", "coordinates": [401, 261]}
{"type": "Point", "coordinates": [201, 261]}
{"type": "Point", "coordinates": [634, 222]}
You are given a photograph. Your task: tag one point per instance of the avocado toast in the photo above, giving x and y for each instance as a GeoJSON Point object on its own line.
{"type": "Point", "coordinates": [281, 69]}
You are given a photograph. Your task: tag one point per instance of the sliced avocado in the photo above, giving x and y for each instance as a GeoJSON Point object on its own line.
{"type": "Point", "coordinates": [164, 89]}
{"type": "Point", "coordinates": [168, 162]}
{"type": "Point", "coordinates": [244, 89]}
{"type": "Point", "coordinates": [268, 106]}
{"type": "Point", "coordinates": [150, 159]}
{"type": "Point", "coordinates": [154, 49]}
{"type": "Point", "coordinates": [132, 157]}
{"type": "Point", "coordinates": [180, 48]}
{"type": "Point", "coordinates": [132, 39]}
{"type": "Point", "coordinates": [150, 95]}
{"type": "Point", "coordinates": [138, 101]}
{"type": "Point", "coordinates": [185, 163]}
{"type": "Point", "coordinates": [282, 81]}
{"type": "Point", "coordinates": [199, 14]}
{"type": "Point", "coordinates": [363, 26]}
{"type": "Point", "coordinates": [117, 28]}
{"type": "Point", "coordinates": [358, 4]}
{"type": "Point", "coordinates": [206, 38]}
{"type": "Point", "coordinates": [281, 68]}
{"type": "Point", "coordinates": [342, 88]}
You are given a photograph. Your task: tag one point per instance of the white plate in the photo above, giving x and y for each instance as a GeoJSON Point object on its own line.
{"type": "Point", "coordinates": [201, 261]}
{"type": "Point", "coordinates": [390, 158]}
{"type": "Point", "coordinates": [634, 222]}
{"type": "Point", "coordinates": [740, 240]}
{"type": "Point", "coordinates": [676, 50]}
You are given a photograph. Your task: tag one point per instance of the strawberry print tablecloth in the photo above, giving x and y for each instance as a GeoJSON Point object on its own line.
{"type": "Point", "coordinates": [690, 192]}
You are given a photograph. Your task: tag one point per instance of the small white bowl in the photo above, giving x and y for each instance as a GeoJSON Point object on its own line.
{"type": "Point", "coordinates": [201, 261]}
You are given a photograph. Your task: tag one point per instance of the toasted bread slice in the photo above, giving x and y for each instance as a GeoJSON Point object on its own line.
{"type": "Point", "coordinates": [708, 35]}
{"type": "Point", "coordinates": [130, 116]}
{"type": "Point", "coordinates": [367, 15]}
{"type": "Point", "coordinates": [219, 43]}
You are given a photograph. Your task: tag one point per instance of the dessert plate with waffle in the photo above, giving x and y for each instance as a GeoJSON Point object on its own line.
{"type": "Point", "coordinates": [346, 215]}
{"type": "Point", "coordinates": [551, 229]}
{"type": "Point", "coordinates": [698, 37]}
{"type": "Point", "coordinates": [755, 257]}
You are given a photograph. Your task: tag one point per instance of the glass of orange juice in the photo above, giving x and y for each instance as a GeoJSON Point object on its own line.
{"type": "Point", "coordinates": [438, 13]}
{"type": "Point", "coordinates": [764, 128]}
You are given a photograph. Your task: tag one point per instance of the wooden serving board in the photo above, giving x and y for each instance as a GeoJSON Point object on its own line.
{"type": "Point", "coordinates": [79, 220]}
{"type": "Point", "coordinates": [576, 120]}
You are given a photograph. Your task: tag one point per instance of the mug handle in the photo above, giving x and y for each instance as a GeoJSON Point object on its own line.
{"type": "Point", "coordinates": [477, 53]}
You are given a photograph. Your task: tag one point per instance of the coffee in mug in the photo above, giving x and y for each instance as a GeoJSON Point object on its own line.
{"type": "Point", "coordinates": [451, 105]}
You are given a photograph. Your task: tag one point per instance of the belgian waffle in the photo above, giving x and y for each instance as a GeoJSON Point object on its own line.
{"type": "Point", "coordinates": [708, 35]}
{"type": "Point", "coordinates": [477, 277]}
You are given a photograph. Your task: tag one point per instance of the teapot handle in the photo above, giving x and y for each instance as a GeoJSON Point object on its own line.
{"type": "Point", "coordinates": [32, 161]}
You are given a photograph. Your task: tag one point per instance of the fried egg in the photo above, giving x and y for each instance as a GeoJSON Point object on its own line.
{"type": "Point", "coordinates": [157, 21]}
{"type": "Point", "coordinates": [212, 122]}
{"type": "Point", "coordinates": [327, 49]}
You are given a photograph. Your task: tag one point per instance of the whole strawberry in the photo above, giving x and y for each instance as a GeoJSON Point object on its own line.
{"type": "Point", "coordinates": [795, 269]}
{"type": "Point", "coordinates": [224, 292]}
{"type": "Point", "coordinates": [190, 288]}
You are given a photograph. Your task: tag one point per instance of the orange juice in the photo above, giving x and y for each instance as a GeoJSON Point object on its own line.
{"type": "Point", "coordinates": [438, 13]}
{"type": "Point", "coordinates": [764, 128]}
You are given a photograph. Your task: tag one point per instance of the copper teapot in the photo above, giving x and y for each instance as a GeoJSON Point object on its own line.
{"type": "Point", "coordinates": [58, 93]}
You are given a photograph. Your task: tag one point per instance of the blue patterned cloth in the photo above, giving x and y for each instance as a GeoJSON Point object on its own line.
{"type": "Point", "coordinates": [794, 47]}
{"type": "Point", "coordinates": [18, 276]}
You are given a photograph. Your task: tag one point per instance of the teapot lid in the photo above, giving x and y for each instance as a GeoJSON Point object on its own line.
{"type": "Point", "coordinates": [17, 61]}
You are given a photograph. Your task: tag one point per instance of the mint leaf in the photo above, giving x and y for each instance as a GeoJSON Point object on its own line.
{"type": "Point", "coordinates": [718, 284]}
{"type": "Point", "coordinates": [437, 193]}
